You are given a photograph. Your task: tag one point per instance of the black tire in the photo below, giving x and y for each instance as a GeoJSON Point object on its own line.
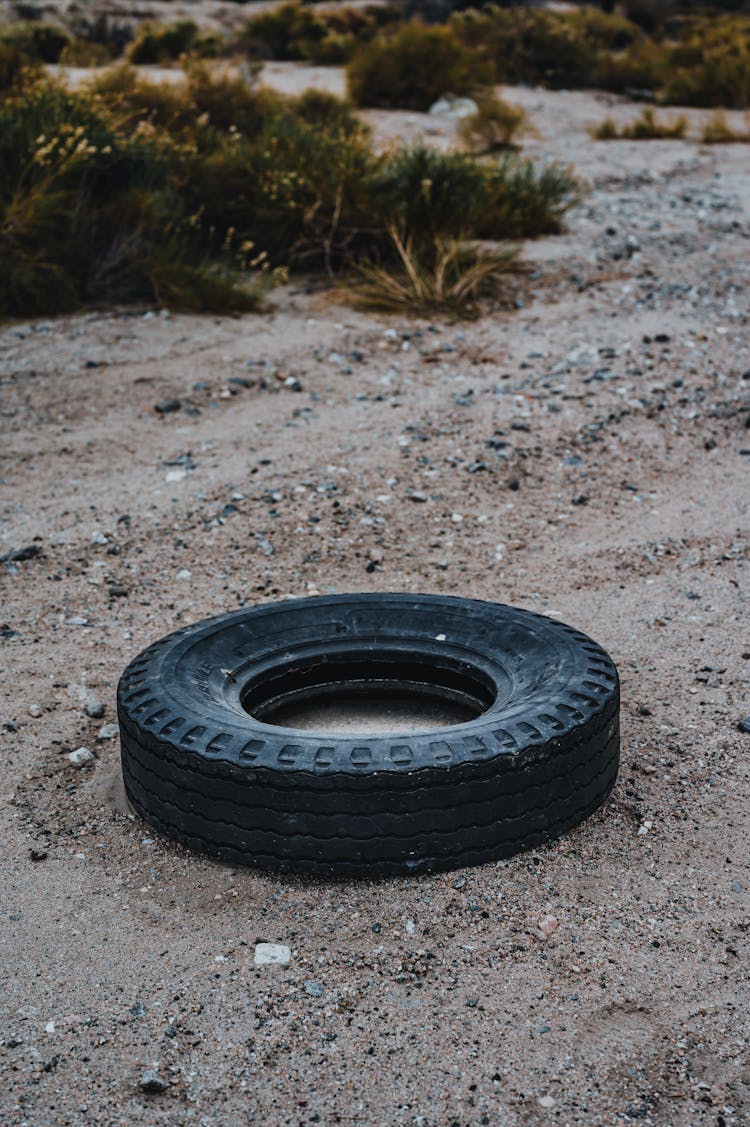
{"type": "Point", "coordinates": [540, 757]}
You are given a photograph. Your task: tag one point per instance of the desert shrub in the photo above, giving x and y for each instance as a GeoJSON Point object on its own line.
{"type": "Point", "coordinates": [493, 126]}
{"type": "Point", "coordinates": [92, 212]}
{"type": "Point", "coordinates": [718, 131]}
{"type": "Point", "coordinates": [41, 42]}
{"type": "Point", "coordinates": [644, 128]}
{"type": "Point", "coordinates": [411, 68]}
{"type": "Point", "coordinates": [635, 71]}
{"type": "Point", "coordinates": [710, 66]}
{"type": "Point", "coordinates": [15, 68]}
{"type": "Point", "coordinates": [81, 53]}
{"type": "Point", "coordinates": [430, 195]}
{"type": "Point", "coordinates": [297, 31]}
{"type": "Point", "coordinates": [299, 192]}
{"type": "Point", "coordinates": [122, 90]}
{"type": "Point", "coordinates": [161, 44]}
{"type": "Point", "coordinates": [557, 49]}
{"type": "Point", "coordinates": [317, 107]}
{"type": "Point", "coordinates": [203, 107]}
{"type": "Point", "coordinates": [524, 200]}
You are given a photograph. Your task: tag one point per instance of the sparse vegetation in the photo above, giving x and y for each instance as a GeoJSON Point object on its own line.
{"type": "Point", "coordinates": [644, 128]}
{"type": "Point", "coordinates": [190, 194]}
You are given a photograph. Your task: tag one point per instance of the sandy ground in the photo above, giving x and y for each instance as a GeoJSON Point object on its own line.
{"type": "Point", "coordinates": [586, 455]}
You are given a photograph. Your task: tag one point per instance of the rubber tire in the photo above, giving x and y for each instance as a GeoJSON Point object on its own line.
{"type": "Point", "coordinates": [540, 758]}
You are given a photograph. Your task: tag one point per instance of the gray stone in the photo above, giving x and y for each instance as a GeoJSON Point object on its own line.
{"type": "Point", "coordinates": [152, 1082]}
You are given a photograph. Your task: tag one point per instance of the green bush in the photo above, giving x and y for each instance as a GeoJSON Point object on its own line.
{"type": "Point", "coordinates": [413, 67]}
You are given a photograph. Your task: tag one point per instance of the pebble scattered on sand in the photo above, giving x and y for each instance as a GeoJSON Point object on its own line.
{"type": "Point", "coordinates": [81, 756]}
{"type": "Point", "coordinates": [266, 953]}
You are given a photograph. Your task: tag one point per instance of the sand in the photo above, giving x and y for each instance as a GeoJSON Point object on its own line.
{"type": "Point", "coordinates": [601, 980]}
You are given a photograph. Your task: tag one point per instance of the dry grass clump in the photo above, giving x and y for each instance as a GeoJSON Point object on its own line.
{"type": "Point", "coordinates": [194, 194]}
{"type": "Point", "coordinates": [412, 67]}
{"type": "Point", "coordinates": [718, 131]}
{"type": "Point", "coordinates": [449, 278]}
{"type": "Point", "coordinates": [493, 127]}
{"type": "Point", "coordinates": [644, 128]}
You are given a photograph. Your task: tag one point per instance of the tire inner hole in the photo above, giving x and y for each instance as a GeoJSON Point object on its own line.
{"type": "Point", "coordinates": [369, 694]}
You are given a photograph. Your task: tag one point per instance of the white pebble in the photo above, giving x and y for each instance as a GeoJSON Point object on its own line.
{"type": "Point", "coordinates": [81, 756]}
{"type": "Point", "coordinates": [271, 953]}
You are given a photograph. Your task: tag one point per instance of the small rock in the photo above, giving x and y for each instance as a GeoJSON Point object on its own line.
{"type": "Point", "coordinates": [108, 732]}
{"type": "Point", "coordinates": [293, 383]}
{"type": "Point", "coordinates": [38, 854]}
{"type": "Point", "coordinates": [744, 725]}
{"type": "Point", "coordinates": [151, 1081]}
{"type": "Point", "coordinates": [183, 575]}
{"type": "Point", "coordinates": [453, 108]}
{"type": "Point", "coordinates": [271, 953]}
{"type": "Point", "coordinates": [167, 406]}
{"type": "Point", "coordinates": [94, 708]}
{"type": "Point", "coordinates": [34, 710]}
{"type": "Point", "coordinates": [547, 1101]}
{"type": "Point", "coordinates": [98, 537]}
{"type": "Point", "coordinates": [117, 591]}
{"type": "Point", "coordinates": [418, 496]}
{"type": "Point", "coordinates": [314, 989]}
{"type": "Point", "coordinates": [29, 552]}
{"type": "Point", "coordinates": [547, 925]}
{"type": "Point", "coordinates": [81, 756]}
